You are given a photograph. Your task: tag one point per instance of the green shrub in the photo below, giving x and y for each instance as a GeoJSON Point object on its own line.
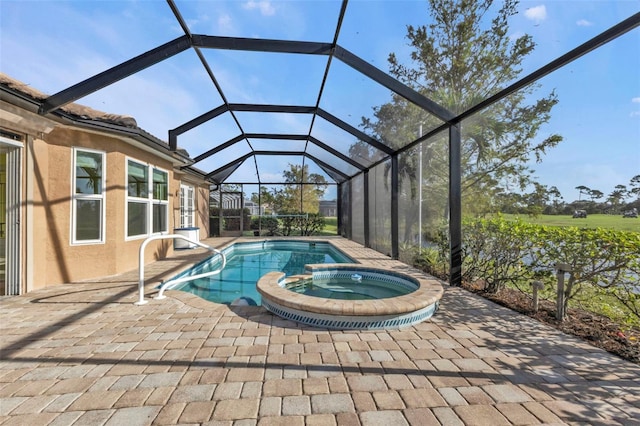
{"type": "Point", "coordinates": [288, 223]}
{"type": "Point", "coordinates": [310, 225]}
{"type": "Point", "coordinates": [494, 252]}
{"type": "Point", "coordinates": [271, 224]}
{"type": "Point", "coordinates": [604, 263]}
{"type": "Point", "coordinates": [601, 260]}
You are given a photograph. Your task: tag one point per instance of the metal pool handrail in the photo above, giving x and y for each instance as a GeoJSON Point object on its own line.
{"type": "Point", "coordinates": [160, 295]}
{"type": "Point", "coordinates": [192, 277]}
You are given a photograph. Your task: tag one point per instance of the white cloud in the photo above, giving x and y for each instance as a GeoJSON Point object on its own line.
{"type": "Point", "coordinates": [195, 23]}
{"type": "Point", "coordinates": [296, 123]}
{"type": "Point", "coordinates": [584, 23]}
{"type": "Point", "coordinates": [271, 176]}
{"type": "Point", "coordinates": [225, 23]}
{"type": "Point", "coordinates": [42, 53]}
{"type": "Point", "coordinates": [635, 114]}
{"type": "Point", "coordinates": [264, 6]}
{"type": "Point", "coordinates": [536, 14]}
{"type": "Point", "coordinates": [636, 100]}
{"type": "Point", "coordinates": [237, 85]}
{"type": "Point", "coordinates": [146, 99]}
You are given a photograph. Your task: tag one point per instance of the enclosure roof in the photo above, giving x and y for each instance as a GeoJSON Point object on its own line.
{"type": "Point", "coordinates": [340, 167]}
{"type": "Point", "coordinates": [296, 107]}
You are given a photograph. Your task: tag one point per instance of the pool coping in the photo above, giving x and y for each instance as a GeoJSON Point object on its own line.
{"type": "Point", "coordinates": [429, 292]}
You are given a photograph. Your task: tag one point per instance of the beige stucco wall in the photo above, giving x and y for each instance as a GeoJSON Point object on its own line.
{"type": "Point", "coordinates": [55, 259]}
{"type": "Point", "coordinates": [202, 205]}
{"type": "Point", "coordinates": [201, 202]}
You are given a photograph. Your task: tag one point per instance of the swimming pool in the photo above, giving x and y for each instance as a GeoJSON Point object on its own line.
{"type": "Point", "coordinates": [247, 262]}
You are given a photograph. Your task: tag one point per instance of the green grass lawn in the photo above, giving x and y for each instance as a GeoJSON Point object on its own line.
{"type": "Point", "coordinates": [592, 221]}
{"type": "Point", "coordinates": [330, 226]}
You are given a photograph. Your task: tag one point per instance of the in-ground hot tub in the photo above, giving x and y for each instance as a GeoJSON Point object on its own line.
{"type": "Point", "coordinates": [380, 298]}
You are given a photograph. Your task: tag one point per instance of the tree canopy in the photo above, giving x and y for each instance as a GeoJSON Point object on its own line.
{"type": "Point", "coordinates": [301, 192]}
{"type": "Point", "coordinates": [464, 54]}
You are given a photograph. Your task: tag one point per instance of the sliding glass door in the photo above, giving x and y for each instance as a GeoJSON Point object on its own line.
{"type": "Point", "coordinates": [10, 216]}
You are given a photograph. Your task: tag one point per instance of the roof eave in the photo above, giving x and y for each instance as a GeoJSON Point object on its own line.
{"type": "Point", "coordinates": [136, 134]}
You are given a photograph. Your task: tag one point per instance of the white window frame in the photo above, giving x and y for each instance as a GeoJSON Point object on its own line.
{"type": "Point", "coordinates": [149, 201]}
{"type": "Point", "coordinates": [156, 202]}
{"type": "Point", "coordinates": [102, 197]}
{"type": "Point", "coordinates": [187, 206]}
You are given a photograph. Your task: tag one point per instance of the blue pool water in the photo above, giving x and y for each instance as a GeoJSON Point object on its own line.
{"type": "Point", "coordinates": [247, 262]}
{"type": "Point", "coordinates": [347, 289]}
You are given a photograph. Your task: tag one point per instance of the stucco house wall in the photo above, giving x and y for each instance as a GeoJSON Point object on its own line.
{"type": "Point", "coordinates": [49, 256]}
{"type": "Point", "coordinates": [67, 262]}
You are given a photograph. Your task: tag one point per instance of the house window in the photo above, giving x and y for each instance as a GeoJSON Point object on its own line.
{"type": "Point", "coordinates": [147, 199]}
{"type": "Point", "coordinates": [88, 196]}
{"type": "Point", "coordinates": [187, 206]}
{"type": "Point", "coordinates": [160, 201]}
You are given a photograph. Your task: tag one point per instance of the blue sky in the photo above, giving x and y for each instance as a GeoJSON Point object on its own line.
{"type": "Point", "coordinates": [51, 45]}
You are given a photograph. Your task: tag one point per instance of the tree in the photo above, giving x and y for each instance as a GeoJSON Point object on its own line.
{"type": "Point", "coordinates": [622, 189]}
{"type": "Point", "coordinates": [582, 190]}
{"type": "Point", "coordinates": [537, 200]}
{"type": "Point", "coordinates": [265, 199]}
{"type": "Point", "coordinates": [616, 197]}
{"type": "Point", "coordinates": [302, 191]}
{"type": "Point", "coordinates": [458, 59]}
{"type": "Point", "coordinates": [556, 198]}
{"type": "Point", "coordinates": [594, 194]}
{"type": "Point", "coordinates": [634, 183]}
{"type": "Point", "coordinates": [509, 202]}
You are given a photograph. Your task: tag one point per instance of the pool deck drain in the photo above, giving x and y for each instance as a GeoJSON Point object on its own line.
{"type": "Point", "coordinates": [82, 353]}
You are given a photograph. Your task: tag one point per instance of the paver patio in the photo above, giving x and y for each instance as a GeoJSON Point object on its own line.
{"type": "Point", "coordinates": [82, 353]}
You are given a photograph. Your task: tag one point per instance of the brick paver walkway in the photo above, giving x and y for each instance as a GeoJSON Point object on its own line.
{"type": "Point", "coordinates": [84, 354]}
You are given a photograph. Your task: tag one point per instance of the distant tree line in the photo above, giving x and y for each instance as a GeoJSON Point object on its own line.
{"type": "Point", "coordinates": [300, 193]}
{"type": "Point", "coordinates": [549, 200]}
